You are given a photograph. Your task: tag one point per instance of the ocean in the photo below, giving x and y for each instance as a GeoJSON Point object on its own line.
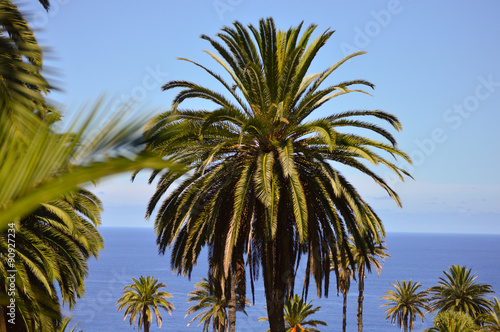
{"type": "Point", "coordinates": [132, 252]}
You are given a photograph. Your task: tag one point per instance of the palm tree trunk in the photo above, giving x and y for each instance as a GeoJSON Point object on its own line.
{"type": "Point", "coordinates": [344, 313]}
{"type": "Point", "coordinates": [274, 287]}
{"type": "Point", "coordinates": [361, 289]}
{"type": "Point", "coordinates": [231, 307]}
{"type": "Point", "coordinates": [3, 319]}
{"type": "Point", "coordinates": [145, 320]}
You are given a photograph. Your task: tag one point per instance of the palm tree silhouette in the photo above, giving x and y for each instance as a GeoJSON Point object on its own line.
{"type": "Point", "coordinates": [405, 303]}
{"type": "Point", "coordinates": [142, 299]}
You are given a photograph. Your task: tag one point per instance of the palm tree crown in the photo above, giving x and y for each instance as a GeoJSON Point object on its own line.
{"type": "Point", "coordinates": [296, 314]}
{"type": "Point", "coordinates": [262, 182]}
{"type": "Point", "coordinates": [143, 298]}
{"type": "Point", "coordinates": [405, 303]}
{"type": "Point", "coordinates": [459, 291]}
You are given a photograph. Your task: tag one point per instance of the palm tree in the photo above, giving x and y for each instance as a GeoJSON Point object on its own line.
{"type": "Point", "coordinates": [41, 170]}
{"type": "Point", "coordinates": [405, 303]}
{"type": "Point", "coordinates": [209, 298]}
{"type": "Point", "coordinates": [52, 245]}
{"type": "Point", "coordinates": [295, 315]}
{"type": "Point", "coordinates": [143, 298]}
{"type": "Point", "coordinates": [365, 262]}
{"type": "Point", "coordinates": [261, 182]}
{"type": "Point", "coordinates": [353, 261]}
{"type": "Point", "coordinates": [453, 321]}
{"type": "Point", "coordinates": [345, 275]}
{"type": "Point", "coordinates": [459, 291]}
{"type": "Point", "coordinates": [492, 318]}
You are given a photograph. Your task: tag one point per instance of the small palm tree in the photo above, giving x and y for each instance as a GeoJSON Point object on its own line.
{"type": "Point", "coordinates": [459, 291]}
{"type": "Point", "coordinates": [359, 260]}
{"type": "Point", "coordinates": [142, 298]}
{"type": "Point", "coordinates": [405, 303]}
{"type": "Point", "coordinates": [492, 318]}
{"type": "Point", "coordinates": [209, 298]}
{"type": "Point", "coordinates": [345, 275]}
{"type": "Point", "coordinates": [452, 321]}
{"type": "Point", "coordinates": [296, 311]}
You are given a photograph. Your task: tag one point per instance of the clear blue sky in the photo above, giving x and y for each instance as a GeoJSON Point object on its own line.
{"type": "Point", "coordinates": [435, 65]}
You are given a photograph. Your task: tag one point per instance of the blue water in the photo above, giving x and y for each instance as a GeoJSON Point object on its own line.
{"type": "Point", "coordinates": [131, 252]}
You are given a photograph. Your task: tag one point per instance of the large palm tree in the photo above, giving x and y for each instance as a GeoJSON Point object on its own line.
{"type": "Point", "coordinates": [52, 245]}
{"type": "Point", "coordinates": [297, 313]}
{"type": "Point", "coordinates": [405, 303]}
{"type": "Point", "coordinates": [460, 291]}
{"type": "Point", "coordinates": [492, 318]}
{"type": "Point", "coordinates": [262, 182]}
{"type": "Point", "coordinates": [144, 298]}
{"type": "Point", "coordinates": [209, 297]}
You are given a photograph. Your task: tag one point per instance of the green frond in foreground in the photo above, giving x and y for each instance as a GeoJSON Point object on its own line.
{"type": "Point", "coordinates": [142, 300]}
{"type": "Point", "coordinates": [460, 291]}
{"type": "Point", "coordinates": [48, 165]}
{"type": "Point", "coordinates": [405, 303]}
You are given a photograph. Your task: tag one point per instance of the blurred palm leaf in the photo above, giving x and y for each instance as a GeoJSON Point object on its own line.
{"type": "Point", "coordinates": [52, 165]}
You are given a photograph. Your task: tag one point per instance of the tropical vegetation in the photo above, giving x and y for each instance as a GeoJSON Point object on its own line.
{"type": "Point", "coordinates": [296, 315]}
{"type": "Point", "coordinates": [42, 201]}
{"type": "Point", "coordinates": [460, 291]}
{"type": "Point", "coordinates": [262, 189]}
{"type": "Point", "coordinates": [491, 320]}
{"type": "Point", "coordinates": [143, 299]}
{"type": "Point", "coordinates": [405, 303]}
{"type": "Point", "coordinates": [453, 321]}
{"type": "Point", "coordinates": [208, 297]}
{"type": "Point", "coordinates": [65, 325]}
{"type": "Point", "coordinates": [261, 184]}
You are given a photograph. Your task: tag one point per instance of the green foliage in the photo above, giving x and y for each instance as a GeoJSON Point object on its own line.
{"type": "Point", "coordinates": [143, 298]}
{"type": "Point", "coordinates": [453, 321]}
{"type": "Point", "coordinates": [41, 174]}
{"type": "Point", "coordinates": [261, 172]}
{"type": "Point", "coordinates": [65, 323]}
{"type": "Point", "coordinates": [52, 245]}
{"type": "Point", "coordinates": [209, 297]}
{"type": "Point", "coordinates": [460, 291]}
{"type": "Point", "coordinates": [296, 315]}
{"type": "Point", "coordinates": [357, 260]}
{"type": "Point", "coordinates": [405, 303]}
{"type": "Point", "coordinates": [491, 319]}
